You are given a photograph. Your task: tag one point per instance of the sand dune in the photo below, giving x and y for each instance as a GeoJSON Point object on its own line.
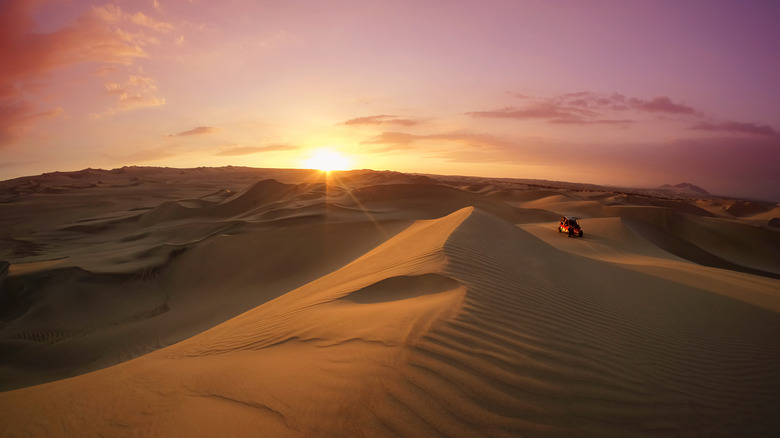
{"type": "Point", "coordinates": [240, 302]}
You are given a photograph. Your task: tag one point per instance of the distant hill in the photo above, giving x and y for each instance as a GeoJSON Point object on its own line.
{"type": "Point", "coordinates": [684, 188]}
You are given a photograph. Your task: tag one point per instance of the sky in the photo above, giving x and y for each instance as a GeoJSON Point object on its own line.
{"type": "Point", "coordinates": [629, 93]}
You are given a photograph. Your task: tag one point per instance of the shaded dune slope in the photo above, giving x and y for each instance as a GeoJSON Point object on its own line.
{"type": "Point", "coordinates": [707, 241]}
{"type": "Point", "coordinates": [119, 288]}
{"type": "Point", "coordinates": [460, 326]}
{"type": "Point", "coordinates": [685, 248]}
{"type": "Point", "coordinates": [66, 321]}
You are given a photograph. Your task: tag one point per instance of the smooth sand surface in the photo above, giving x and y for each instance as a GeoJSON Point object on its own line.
{"type": "Point", "coordinates": [262, 302]}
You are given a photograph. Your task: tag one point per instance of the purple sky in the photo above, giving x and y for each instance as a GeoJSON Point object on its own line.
{"type": "Point", "coordinates": [636, 93]}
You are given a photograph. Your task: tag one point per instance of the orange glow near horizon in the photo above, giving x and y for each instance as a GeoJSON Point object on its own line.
{"type": "Point", "coordinates": [327, 160]}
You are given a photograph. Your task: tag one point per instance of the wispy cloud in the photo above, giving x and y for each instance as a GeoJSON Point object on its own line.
{"type": "Point", "coordinates": [543, 111]}
{"type": "Point", "coordinates": [736, 127]}
{"type": "Point", "coordinates": [661, 105]}
{"type": "Point", "coordinates": [586, 108]}
{"type": "Point", "coordinates": [236, 150]}
{"type": "Point", "coordinates": [617, 102]}
{"type": "Point", "coordinates": [518, 95]}
{"type": "Point", "coordinates": [136, 92]}
{"type": "Point", "coordinates": [575, 121]}
{"type": "Point", "coordinates": [382, 119]}
{"type": "Point", "coordinates": [115, 14]}
{"type": "Point", "coordinates": [394, 138]}
{"type": "Point", "coordinates": [200, 130]}
{"type": "Point", "coordinates": [395, 141]}
{"type": "Point", "coordinates": [17, 116]}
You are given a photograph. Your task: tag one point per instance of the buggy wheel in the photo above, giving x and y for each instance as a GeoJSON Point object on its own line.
{"type": "Point", "coordinates": [580, 233]}
{"type": "Point", "coordinates": [560, 230]}
{"type": "Point", "coordinates": [571, 233]}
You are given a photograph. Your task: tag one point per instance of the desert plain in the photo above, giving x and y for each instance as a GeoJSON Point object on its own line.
{"type": "Point", "coordinates": [269, 302]}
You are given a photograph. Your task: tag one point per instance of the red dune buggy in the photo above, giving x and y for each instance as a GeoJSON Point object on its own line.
{"type": "Point", "coordinates": [569, 226]}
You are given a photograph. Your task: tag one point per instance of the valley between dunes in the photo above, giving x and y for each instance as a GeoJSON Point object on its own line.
{"type": "Point", "coordinates": [262, 302]}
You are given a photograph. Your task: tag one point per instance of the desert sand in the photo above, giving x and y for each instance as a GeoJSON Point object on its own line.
{"type": "Point", "coordinates": [262, 302]}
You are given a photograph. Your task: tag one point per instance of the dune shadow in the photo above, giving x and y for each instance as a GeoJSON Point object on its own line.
{"type": "Point", "coordinates": [402, 288]}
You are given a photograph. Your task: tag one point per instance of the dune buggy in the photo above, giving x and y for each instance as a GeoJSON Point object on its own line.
{"type": "Point", "coordinates": [570, 226]}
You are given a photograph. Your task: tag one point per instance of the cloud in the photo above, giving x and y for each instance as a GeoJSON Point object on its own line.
{"type": "Point", "coordinates": [403, 138]}
{"type": "Point", "coordinates": [200, 130]}
{"type": "Point", "coordinates": [618, 102]}
{"type": "Point", "coordinates": [518, 95]}
{"type": "Point", "coordinates": [549, 111]}
{"type": "Point", "coordinates": [136, 92]}
{"type": "Point", "coordinates": [586, 108]}
{"type": "Point", "coordinates": [380, 120]}
{"type": "Point", "coordinates": [394, 141]}
{"type": "Point", "coordinates": [593, 122]}
{"type": "Point", "coordinates": [27, 53]}
{"type": "Point", "coordinates": [106, 69]}
{"type": "Point", "coordinates": [150, 23]}
{"type": "Point", "coordinates": [102, 34]}
{"type": "Point", "coordinates": [573, 113]}
{"type": "Point", "coordinates": [115, 14]}
{"type": "Point", "coordinates": [661, 105]}
{"type": "Point", "coordinates": [16, 117]}
{"type": "Point", "coordinates": [737, 127]}
{"type": "Point", "coordinates": [248, 150]}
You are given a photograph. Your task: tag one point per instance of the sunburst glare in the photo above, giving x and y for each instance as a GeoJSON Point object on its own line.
{"type": "Point", "coordinates": [327, 160]}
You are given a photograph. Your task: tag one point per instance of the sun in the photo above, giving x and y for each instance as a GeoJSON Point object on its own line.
{"type": "Point", "coordinates": [327, 160]}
